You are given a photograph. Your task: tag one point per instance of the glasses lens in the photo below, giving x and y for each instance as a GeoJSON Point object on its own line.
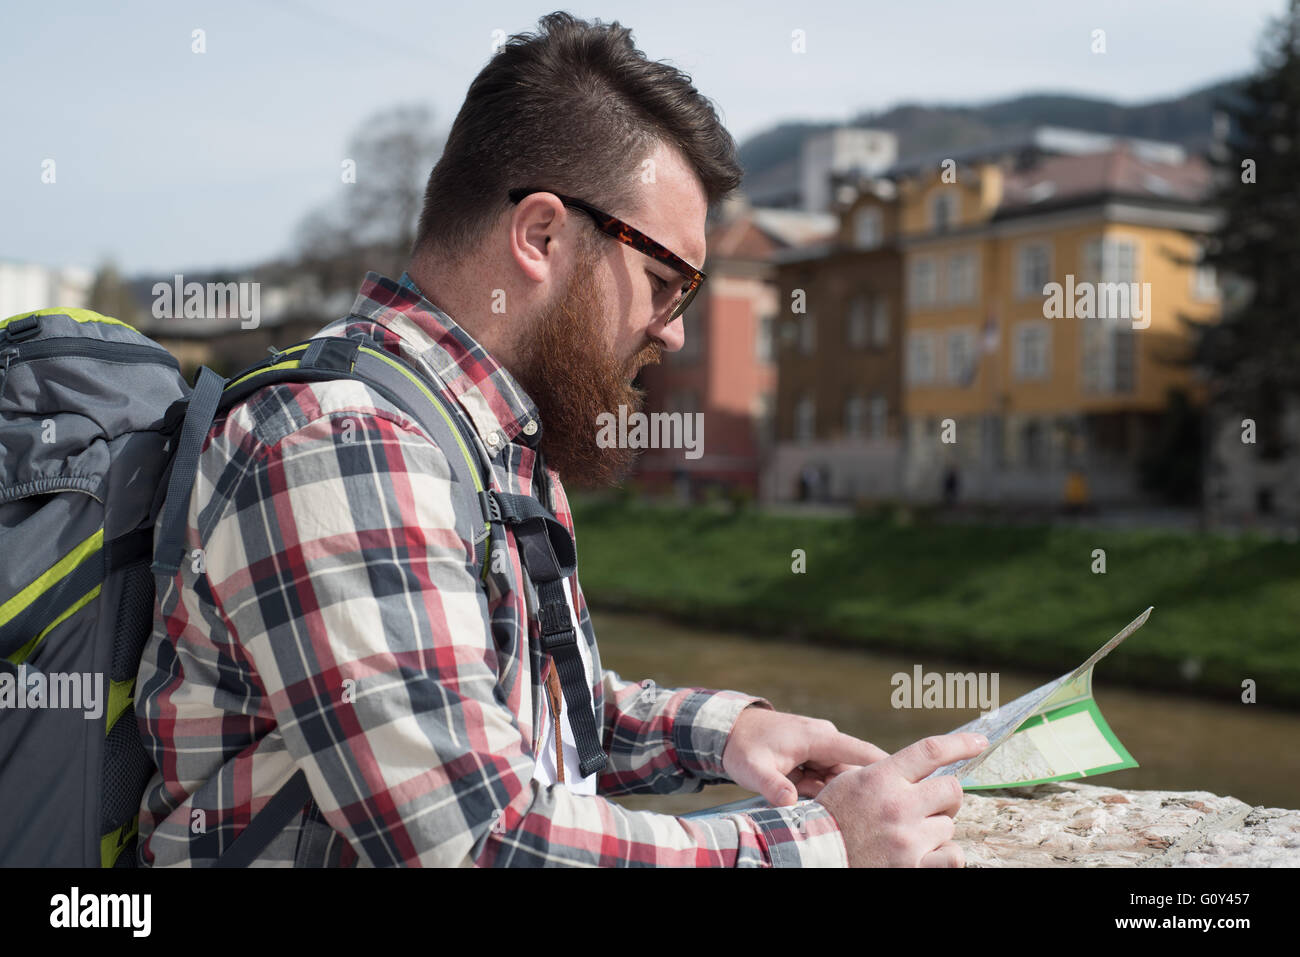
{"type": "Point", "coordinates": [691, 290]}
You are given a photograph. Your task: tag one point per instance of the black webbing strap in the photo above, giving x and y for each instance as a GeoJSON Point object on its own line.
{"type": "Point", "coordinates": [549, 557]}
{"type": "Point", "coordinates": [267, 823]}
{"type": "Point", "coordinates": [202, 408]}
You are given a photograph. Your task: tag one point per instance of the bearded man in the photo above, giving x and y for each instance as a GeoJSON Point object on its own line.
{"type": "Point", "coordinates": [335, 632]}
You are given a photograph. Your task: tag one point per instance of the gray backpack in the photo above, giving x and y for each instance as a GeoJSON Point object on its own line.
{"type": "Point", "coordinates": [82, 403]}
{"type": "Point", "coordinates": [99, 444]}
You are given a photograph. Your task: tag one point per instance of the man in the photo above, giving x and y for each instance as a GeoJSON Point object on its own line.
{"type": "Point", "coordinates": [334, 625]}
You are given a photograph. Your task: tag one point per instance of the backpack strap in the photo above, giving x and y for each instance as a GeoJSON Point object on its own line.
{"type": "Point", "coordinates": [550, 557]}
{"type": "Point", "coordinates": [313, 361]}
{"type": "Point", "coordinates": [267, 823]}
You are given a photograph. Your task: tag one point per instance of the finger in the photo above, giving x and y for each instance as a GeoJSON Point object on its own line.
{"type": "Point", "coordinates": [941, 795]}
{"type": "Point", "coordinates": [810, 785]}
{"type": "Point", "coordinates": [830, 771]}
{"type": "Point", "coordinates": [777, 789]}
{"type": "Point", "coordinates": [947, 854]}
{"type": "Point", "coordinates": [836, 747]}
{"type": "Point", "coordinates": [929, 754]}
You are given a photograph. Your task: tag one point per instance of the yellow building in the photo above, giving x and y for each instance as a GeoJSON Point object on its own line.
{"type": "Point", "coordinates": [1015, 388]}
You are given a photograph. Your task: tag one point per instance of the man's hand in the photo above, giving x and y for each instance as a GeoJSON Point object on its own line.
{"type": "Point", "coordinates": [890, 817]}
{"type": "Point", "coordinates": [787, 756]}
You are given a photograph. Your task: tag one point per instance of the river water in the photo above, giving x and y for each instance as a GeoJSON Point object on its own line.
{"type": "Point", "coordinates": [1181, 743]}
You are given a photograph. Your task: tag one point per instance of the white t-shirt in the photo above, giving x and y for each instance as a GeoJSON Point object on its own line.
{"type": "Point", "coordinates": [545, 771]}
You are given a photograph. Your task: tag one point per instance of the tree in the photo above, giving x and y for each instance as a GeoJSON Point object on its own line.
{"type": "Point", "coordinates": [371, 224]}
{"type": "Point", "coordinates": [110, 295]}
{"type": "Point", "coordinates": [1252, 356]}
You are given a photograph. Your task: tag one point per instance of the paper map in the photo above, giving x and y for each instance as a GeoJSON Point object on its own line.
{"type": "Point", "coordinates": [1053, 733]}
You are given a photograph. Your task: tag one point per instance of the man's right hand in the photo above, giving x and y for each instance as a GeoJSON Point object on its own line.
{"type": "Point", "coordinates": [890, 817]}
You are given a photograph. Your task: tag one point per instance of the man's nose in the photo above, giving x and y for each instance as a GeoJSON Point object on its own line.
{"type": "Point", "coordinates": [672, 335]}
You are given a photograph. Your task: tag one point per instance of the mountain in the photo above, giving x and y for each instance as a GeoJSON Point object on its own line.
{"type": "Point", "coordinates": [924, 129]}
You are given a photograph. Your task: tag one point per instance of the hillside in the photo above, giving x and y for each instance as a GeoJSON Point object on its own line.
{"type": "Point", "coordinates": [922, 129]}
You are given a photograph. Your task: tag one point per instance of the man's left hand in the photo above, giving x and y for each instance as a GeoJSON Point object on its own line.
{"type": "Point", "coordinates": [787, 756]}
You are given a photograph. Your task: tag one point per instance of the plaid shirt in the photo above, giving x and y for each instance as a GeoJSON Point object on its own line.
{"type": "Point", "coordinates": [331, 624]}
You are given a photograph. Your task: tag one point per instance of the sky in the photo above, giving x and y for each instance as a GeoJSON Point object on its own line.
{"type": "Point", "coordinates": [165, 159]}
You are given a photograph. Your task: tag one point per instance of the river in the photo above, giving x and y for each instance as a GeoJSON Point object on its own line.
{"type": "Point", "coordinates": [1182, 744]}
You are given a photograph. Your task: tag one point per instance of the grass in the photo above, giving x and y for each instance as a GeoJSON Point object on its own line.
{"type": "Point", "coordinates": [1226, 609]}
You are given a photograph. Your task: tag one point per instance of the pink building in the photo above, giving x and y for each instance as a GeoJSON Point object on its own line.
{"type": "Point", "coordinates": [725, 376]}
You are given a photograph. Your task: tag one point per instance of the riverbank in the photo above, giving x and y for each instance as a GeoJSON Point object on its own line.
{"type": "Point", "coordinates": [1033, 597]}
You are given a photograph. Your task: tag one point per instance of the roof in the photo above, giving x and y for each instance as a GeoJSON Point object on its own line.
{"type": "Point", "coordinates": [1059, 180]}
{"type": "Point", "coordinates": [1042, 140]}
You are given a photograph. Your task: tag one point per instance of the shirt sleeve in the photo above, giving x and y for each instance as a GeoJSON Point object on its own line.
{"type": "Point", "coordinates": [666, 740]}
{"type": "Point", "coordinates": [335, 567]}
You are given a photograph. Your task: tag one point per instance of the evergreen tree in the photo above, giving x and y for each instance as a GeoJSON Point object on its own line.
{"type": "Point", "coordinates": [1253, 354]}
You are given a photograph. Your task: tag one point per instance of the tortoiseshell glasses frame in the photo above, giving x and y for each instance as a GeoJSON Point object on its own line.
{"type": "Point", "coordinates": [613, 226]}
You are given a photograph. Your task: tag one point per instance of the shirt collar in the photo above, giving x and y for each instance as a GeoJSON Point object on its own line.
{"type": "Point", "coordinates": [496, 404]}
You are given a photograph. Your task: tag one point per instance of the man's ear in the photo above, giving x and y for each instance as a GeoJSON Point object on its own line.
{"type": "Point", "coordinates": [531, 227]}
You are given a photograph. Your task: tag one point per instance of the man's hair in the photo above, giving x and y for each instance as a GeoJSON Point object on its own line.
{"type": "Point", "coordinates": [575, 108]}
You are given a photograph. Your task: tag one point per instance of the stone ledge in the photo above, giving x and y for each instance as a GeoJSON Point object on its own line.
{"type": "Point", "coordinates": [1069, 824]}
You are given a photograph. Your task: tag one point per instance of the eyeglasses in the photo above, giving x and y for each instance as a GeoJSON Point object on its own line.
{"type": "Point", "coordinates": [612, 226]}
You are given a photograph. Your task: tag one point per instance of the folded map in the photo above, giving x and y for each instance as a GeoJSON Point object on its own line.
{"type": "Point", "coordinates": [1053, 733]}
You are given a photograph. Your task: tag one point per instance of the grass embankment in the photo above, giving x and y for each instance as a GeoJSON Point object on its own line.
{"type": "Point", "coordinates": [1002, 597]}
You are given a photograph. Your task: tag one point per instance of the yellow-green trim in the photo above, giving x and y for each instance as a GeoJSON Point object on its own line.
{"type": "Point", "coordinates": [114, 842]}
{"type": "Point", "coordinates": [76, 315]}
{"type": "Point", "coordinates": [120, 696]}
{"type": "Point", "coordinates": [46, 579]}
{"type": "Point", "coordinates": [472, 460]}
{"type": "Point", "coordinates": [290, 364]}
{"type": "Point", "coordinates": [21, 655]}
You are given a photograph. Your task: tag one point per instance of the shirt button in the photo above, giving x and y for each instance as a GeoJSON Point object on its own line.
{"type": "Point", "coordinates": [530, 428]}
{"type": "Point", "coordinates": [494, 439]}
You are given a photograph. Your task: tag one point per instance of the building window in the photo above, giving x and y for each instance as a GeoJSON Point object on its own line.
{"type": "Point", "coordinates": [1032, 349]}
{"type": "Point", "coordinates": [962, 286]}
{"type": "Point", "coordinates": [1032, 444]}
{"type": "Point", "coordinates": [1109, 359]}
{"type": "Point", "coordinates": [805, 418]}
{"type": "Point", "coordinates": [1033, 269]}
{"type": "Point", "coordinates": [856, 326]}
{"type": "Point", "coordinates": [879, 416]}
{"type": "Point", "coordinates": [1205, 282]}
{"type": "Point", "coordinates": [880, 321]}
{"type": "Point", "coordinates": [868, 231]}
{"type": "Point", "coordinates": [923, 283]}
{"type": "Point", "coordinates": [855, 417]}
{"type": "Point", "coordinates": [763, 340]}
{"type": "Point", "coordinates": [807, 334]}
{"type": "Point", "coordinates": [691, 344]}
{"type": "Point", "coordinates": [943, 211]}
{"type": "Point", "coordinates": [764, 407]}
{"type": "Point", "coordinates": [961, 356]}
{"type": "Point", "coordinates": [1110, 260]}
{"type": "Point", "coordinates": [920, 358]}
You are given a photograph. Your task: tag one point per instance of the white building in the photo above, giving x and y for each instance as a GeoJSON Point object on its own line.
{"type": "Point", "coordinates": [26, 287]}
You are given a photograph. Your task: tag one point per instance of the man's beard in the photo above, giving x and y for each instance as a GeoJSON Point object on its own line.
{"type": "Point", "coordinates": [571, 375]}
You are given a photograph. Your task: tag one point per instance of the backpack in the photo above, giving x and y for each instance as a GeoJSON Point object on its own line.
{"type": "Point", "coordinates": [99, 443]}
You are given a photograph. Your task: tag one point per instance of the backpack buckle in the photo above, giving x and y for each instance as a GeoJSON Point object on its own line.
{"type": "Point", "coordinates": [24, 328]}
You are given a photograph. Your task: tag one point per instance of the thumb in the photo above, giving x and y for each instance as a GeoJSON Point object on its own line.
{"type": "Point", "coordinates": [778, 790]}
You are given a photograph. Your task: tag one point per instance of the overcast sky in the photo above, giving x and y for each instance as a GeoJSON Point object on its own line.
{"type": "Point", "coordinates": [166, 159]}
